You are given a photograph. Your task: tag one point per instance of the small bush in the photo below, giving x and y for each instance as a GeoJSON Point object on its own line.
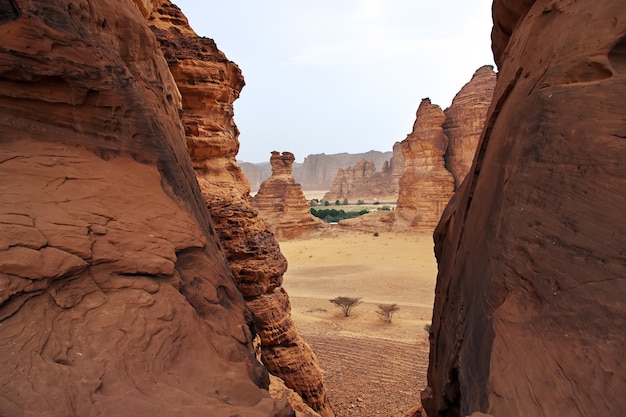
{"type": "Point", "coordinates": [386, 311]}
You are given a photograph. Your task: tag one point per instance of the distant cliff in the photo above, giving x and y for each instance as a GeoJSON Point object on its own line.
{"type": "Point", "coordinates": [317, 172]}
{"type": "Point", "coordinates": [363, 182]}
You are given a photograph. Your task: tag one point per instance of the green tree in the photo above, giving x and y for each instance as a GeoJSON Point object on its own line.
{"type": "Point", "coordinates": [326, 203]}
{"type": "Point", "coordinates": [346, 304]}
{"type": "Point", "coordinates": [337, 202]}
{"type": "Point", "coordinates": [345, 201]}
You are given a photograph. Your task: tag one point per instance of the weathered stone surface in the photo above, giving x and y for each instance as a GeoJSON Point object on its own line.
{"type": "Point", "coordinates": [465, 119]}
{"type": "Point", "coordinates": [281, 202]}
{"type": "Point", "coordinates": [529, 310]}
{"type": "Point", "coordinates": [425, 185]}
{"type": "Point", "coordinates": [115, 298]}
{"type": "Point", "coordinates": [319, 170]}
{"type": "Point", "coordinates": [209, 83]}
{"type": "Point", "coordinates": [362, 182]}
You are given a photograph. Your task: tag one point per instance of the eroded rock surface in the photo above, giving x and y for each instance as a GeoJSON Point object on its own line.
{"type": "Point", "coordinates": [426, 185]}
{"type": "Point", "coordinates": [115, 298]}
{"type": "Point", "coordinates": [529, 310]}
{"type": "Point", "coordinates": [209, 84]}
{"type": "Point", "coordinates": [363, 182]}
{"type": "Point", "coordinates": [465, 119]}
{"type": "Point", "coordinates": [282, 204]}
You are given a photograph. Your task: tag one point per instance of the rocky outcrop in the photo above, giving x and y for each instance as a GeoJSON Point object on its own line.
{"type": "Point", "coordinates": [115, 297]}
{"type": "Point", "coordinates": [465, 119]}
{"type": "Point", "coordinates": [425, 185]}
{"type": "Point", "coordinates": [281, 202]}
{"type": "Point", "coordinates": [209, 83]}
{"type": "Point", "coordinates": [319, 170]}
{"type": "Point", "coordinates": [362, 182]}
{"type": "Point", "coordinates": [529, 307]}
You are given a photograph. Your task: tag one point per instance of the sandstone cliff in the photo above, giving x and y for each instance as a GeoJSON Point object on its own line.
{"type": "Point", "coordinates": [362, 182]}
{"type": "Point", "coordinates": [465, 119]}
{"type": "Point", "coordinates": [115, 298]}
{"type": "Point", "coordinates": [529, 309]}
{"type": "Point", "coordinates": [426, 185]}
{"type": "Point", "coordinates": [318, 171]}
{"type": "Point", "coordinates": [209, 84]}
{"type": "Point", "coordinates": [281, 202]}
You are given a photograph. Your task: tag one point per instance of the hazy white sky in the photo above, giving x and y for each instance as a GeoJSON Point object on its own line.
{"type": "Point", "coordinates": [330, 76]}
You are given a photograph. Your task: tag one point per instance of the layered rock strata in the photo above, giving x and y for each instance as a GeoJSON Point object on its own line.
{"type": "Point", "coordinates": [281, 202]}
{"type": "Point", "coordinates": [209, 84]}
{"type": "Point", "coordinates": [362, 182]}
{"type": "Point", "coordinates": [426, 185]}
{"type": "Point", "coordinates": [115, 297]}
{"type": "Point", "coordinates": [465, 119]}
{"type": "Point", "coordinates": [529, 308]}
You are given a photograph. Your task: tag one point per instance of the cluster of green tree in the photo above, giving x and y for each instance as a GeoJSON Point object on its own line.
{"type": "Point", "coordinates": [333, 215]}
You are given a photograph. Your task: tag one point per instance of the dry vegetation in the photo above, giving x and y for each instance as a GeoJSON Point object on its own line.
{"type": "Point", "coordinates": [372, 368]}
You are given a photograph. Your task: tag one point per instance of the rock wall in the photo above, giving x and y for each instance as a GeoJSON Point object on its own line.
{"type": "Point", "coordinates": [465, 119]}
{"type": "Point", "coordinates": [209, 84]}
{"type": "Point", "coordinates": [426, 185]}
{"type": "Point", "coordinates": [319, 170]}
{"type": "Point", "coordinates": [529, 307]}
{"type": "Point", "coordinates": [281, 202]}
{"type": "Point", "coordinates": [115, 298]}
{"type": "Point", "coordinates": [362, 182]}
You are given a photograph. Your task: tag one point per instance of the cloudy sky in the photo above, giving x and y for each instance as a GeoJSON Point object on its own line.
{"type": "Point", "coordinates": [330, 76]}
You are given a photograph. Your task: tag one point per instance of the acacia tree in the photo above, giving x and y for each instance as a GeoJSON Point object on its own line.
{"type": "Point", "coordinates": [346, 304]}
{"type": "Point", "coordinates": [385, 311]}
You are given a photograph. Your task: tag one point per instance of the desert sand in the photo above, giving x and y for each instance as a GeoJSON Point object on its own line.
{"type": "Point", "coordinates": [372, 368]}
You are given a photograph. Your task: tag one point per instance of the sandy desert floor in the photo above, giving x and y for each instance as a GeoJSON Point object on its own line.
{"type": "Point", "coordinates": [372, 368]}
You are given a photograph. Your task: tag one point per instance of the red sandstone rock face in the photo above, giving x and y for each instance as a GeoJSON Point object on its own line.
{"type": "Point", "coordinates": [115, 298]}
{"type": "Point", "coordinates": [465, 120]}
{"type": "Point", "coordinates": [281, 202]}
{"type": "Point", "coordinates": [529, 310]}
{"type": "Point", "coordinates": [426, 185]}
{"type": "Point", "coordinates": [209, 84]}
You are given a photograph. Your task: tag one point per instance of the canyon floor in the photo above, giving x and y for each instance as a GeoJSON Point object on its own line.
{"type": "Point", "coordinates": [371, 368]}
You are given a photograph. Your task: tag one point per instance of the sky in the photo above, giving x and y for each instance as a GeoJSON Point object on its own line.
{"type": "Point", "coordinates": [332, 76]}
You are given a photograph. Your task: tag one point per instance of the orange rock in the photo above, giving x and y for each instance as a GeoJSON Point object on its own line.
{"type": "Point", "coordinates": [281, 202]}
{"type": "Point", "coordinates": [529, 305]}
{"type": "Point", "coordinates": [465, 119]}
{"type": "Point", "coordinates": [209, 84]}
{"type": "Point", "coordinates": [362, 182]}
{"type": "Point", "coordinates": [115, 296]}
{"type": "Point", "coordinates": [426, 185]}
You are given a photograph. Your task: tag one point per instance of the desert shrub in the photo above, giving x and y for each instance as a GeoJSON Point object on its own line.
{"type": "Point", "coordinates": [346, 304]}
{"type": "Point", "coordinates": [385, 208]}
{"type": "Point", "coordinates": [334, 215]}
{"type": "Point", "coordinates": [386, 311]}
